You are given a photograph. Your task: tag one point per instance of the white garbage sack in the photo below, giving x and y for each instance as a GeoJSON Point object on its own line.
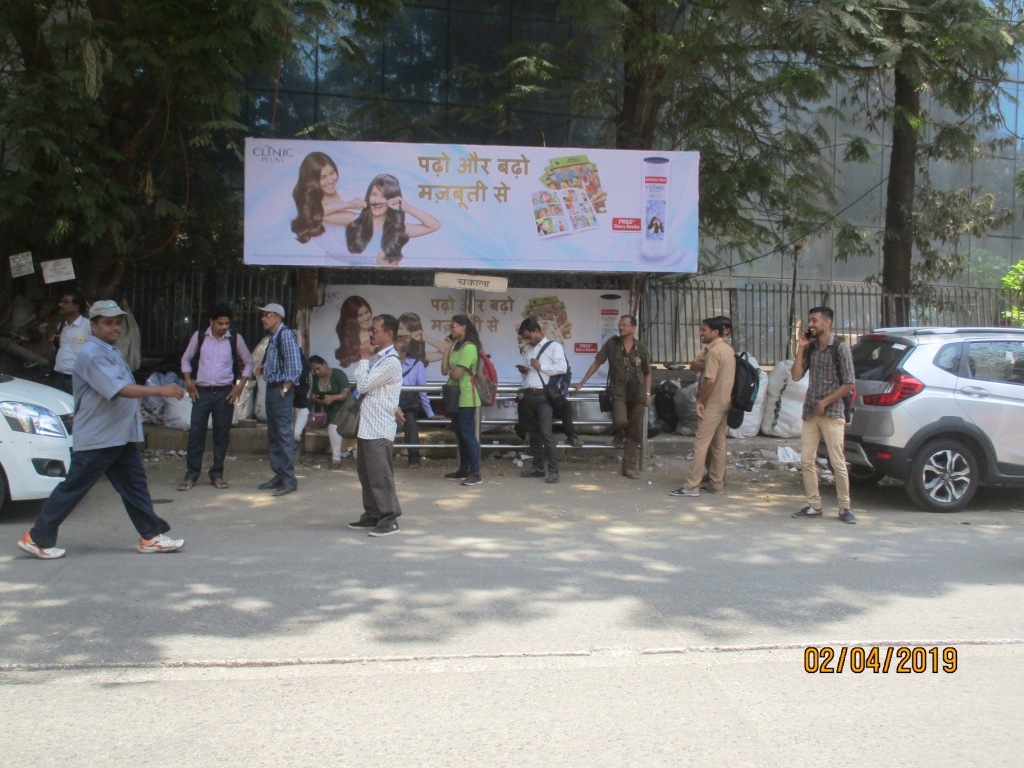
{"type": "Point", "coordinates": [152, 407]}
{"type": "Point", "coordinates": [752, 421]}
{"type": "Point", "coordinates": [246, 403]}
{"type": "Point", "coordinates": [178, 413]}
{"type": "Point", "coordinates": [259, 402]}
{"type": "Point", "coordinates": [784, 405]}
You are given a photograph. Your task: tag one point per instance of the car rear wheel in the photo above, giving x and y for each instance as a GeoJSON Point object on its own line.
{"type": "Point", "coordinates": [944, 476]}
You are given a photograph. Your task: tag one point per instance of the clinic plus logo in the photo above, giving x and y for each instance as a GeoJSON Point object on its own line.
{"type": "Point", "coordinates": [268, 154]}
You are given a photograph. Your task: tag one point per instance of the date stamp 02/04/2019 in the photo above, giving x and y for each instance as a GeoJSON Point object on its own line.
{"type": "Point", "coordinates": [903, 660]}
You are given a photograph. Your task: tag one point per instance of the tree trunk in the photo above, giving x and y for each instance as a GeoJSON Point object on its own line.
{"type": "Point", "coordinates": [898, 242]}
{"type": "Point", "coordinates": [637, 119]}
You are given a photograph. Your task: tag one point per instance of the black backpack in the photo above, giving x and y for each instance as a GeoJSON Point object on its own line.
{"type": "Point", "coordinates": [747, 383]}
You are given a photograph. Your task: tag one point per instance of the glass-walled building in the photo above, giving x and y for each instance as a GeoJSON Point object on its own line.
{"type": "Point", "coordinates": [437, 75]}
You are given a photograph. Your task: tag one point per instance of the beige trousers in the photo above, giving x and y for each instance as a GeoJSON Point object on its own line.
{"type": "Point", "coordinates": [832, 431]}
{"type": "Point", "coordinates": [709, 449]}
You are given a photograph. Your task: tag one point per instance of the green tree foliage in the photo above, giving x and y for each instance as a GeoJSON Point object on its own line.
{"type": "Point", "coordinates": [120, 121]}
{"type": "Point", "coordinates": [1013, 284]}
{"type": "Point", "coordinates": [753, 86]}
{"type": "Point", "coordinates": [733, 79]}
{"type": "Point", "coordinates": [933, 76]}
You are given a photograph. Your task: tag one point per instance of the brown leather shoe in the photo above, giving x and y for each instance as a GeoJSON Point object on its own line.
{"type": "Point", "coordinates": [632, 474]}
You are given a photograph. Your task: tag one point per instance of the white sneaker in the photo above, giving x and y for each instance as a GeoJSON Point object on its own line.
{"type": "Point", "coordinates": [161, 543]}
{"type": "Point", "coordinates": [50, 553]}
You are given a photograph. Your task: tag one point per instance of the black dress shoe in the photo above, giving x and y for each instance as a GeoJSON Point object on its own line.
{"type": "Point", "coordinates": [552, 478]}
{"type": "Point", "coordinates": [533, 472]}
{"type": "Point", "coordinates": [284, 490]}
{"type": "Point", "coordinates": [269, 485]}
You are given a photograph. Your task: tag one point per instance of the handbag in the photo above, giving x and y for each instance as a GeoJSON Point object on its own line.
{"type": "Point", "coordinates": [604, 400]}
{"type": "Point", "coordinates": [348, 417]}
{"type": "Point", "coordinates": [317, 419]}
{"type": "Point", "coordinates": [409, 401]}
{"type": "Point", "coordinates": [450, 394]}
{"type": "Point", "coordinates": [553, 390]}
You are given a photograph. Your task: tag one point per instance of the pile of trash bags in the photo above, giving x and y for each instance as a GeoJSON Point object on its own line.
{"type": "Point", "coordinates": [777, 412]}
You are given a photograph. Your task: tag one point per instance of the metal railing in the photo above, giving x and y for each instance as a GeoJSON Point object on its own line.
{"type": "Point", "coordinates": [506, 393]}
{"type": "Point", "coordinates": [170, 306]}
{"type": "Point", "coordinates": [509, 393]}
{"type": "Point", "coordinates": [768, 316]}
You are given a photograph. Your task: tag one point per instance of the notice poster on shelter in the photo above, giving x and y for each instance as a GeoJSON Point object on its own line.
{"type": "Point", "coordinates": [575, 318]}
{"type": "Point", "coordinates": [452, 207]}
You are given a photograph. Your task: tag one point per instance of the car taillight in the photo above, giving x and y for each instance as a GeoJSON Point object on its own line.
{"type": "Point", "coordinates": [901, 386]}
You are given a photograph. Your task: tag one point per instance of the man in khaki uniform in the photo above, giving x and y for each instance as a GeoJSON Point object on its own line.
{"type": "Point", "coordinates": [714, 399]}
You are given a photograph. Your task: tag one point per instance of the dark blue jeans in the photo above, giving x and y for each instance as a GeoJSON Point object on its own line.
{"type": "Point", "coordinates": [212, 401]}
{"type": "Point", "coordinates": [469, 445]}
{"type": "Point", "coordinates": [279, 434]}
{"type": "Point", "coordinates": [123, 467]}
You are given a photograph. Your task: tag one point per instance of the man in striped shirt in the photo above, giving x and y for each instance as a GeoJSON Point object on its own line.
{"type": "Point", "coordinates": [282, 368]}
{"type": "Point", "coordinates": [378, 379]}
{"type": "Point", "coordinates": [832, 377]}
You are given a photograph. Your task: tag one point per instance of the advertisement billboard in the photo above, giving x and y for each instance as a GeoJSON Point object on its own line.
{"type": "Point", "coordinates": [580, 319]}
{"type": "Point", "coordinates": [429, 206]}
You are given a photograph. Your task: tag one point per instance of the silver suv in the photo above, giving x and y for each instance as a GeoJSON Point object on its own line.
{"type": "Point", "coordinates": [942, 409]}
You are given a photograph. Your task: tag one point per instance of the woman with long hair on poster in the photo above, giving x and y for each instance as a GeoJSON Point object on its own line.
{"type": "Point", "coordinates": [380, 229]}
{"type": "Point", "coordinates": [411, 324]}
{"type": "Point", "coordinates": [413, 354]}
{"type": "Point", "coordinates": [317, 198]}
{"type": "Point", "coordinates": [354, 322]}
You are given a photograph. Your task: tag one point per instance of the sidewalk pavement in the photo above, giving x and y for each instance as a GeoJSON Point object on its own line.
{"type": "Point", "coordinates": [597, 622]}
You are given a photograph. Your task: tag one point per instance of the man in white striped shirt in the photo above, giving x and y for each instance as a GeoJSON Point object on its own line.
{"type": "Point", "coordinates": [378, 379]}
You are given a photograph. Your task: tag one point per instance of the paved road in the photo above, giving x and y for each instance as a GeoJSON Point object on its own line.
{"type": "Point", "coordinates": [599, 622]}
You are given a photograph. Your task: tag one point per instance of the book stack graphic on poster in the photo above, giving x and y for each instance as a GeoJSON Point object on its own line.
{"type": "Point", "coordinates": [572, 200]}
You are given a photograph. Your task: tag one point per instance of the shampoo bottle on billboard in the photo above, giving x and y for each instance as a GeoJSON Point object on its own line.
{"type": "Point", "coordinates": [656, 185]}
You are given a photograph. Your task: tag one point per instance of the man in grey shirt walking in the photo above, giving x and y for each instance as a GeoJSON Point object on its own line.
{"type": "Point", "coordinates": [108, 430]}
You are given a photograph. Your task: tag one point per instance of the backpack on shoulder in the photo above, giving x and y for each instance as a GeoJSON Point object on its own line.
{"type": "Point", "coordinates": [746, 384]}
{"type": "Point", "coordinates": [485, 380]}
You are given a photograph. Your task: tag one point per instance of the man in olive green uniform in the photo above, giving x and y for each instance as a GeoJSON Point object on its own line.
{"type": "Point", "coordinates": [629, 382]}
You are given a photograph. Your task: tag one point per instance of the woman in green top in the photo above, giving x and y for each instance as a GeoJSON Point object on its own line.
{"type": "Point", "coordinates": [462, 352]}
{"type": "Point", "coordinates": [328, 388]}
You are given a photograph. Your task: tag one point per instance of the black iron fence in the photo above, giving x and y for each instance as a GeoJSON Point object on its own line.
{"type": "Point", "coordinates": [767, 316]}
{"type": "Point", "coordinates": [169, 306]}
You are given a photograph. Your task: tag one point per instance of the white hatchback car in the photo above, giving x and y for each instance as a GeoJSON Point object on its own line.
{"type": "Point", "coordinates": [35, 439]}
